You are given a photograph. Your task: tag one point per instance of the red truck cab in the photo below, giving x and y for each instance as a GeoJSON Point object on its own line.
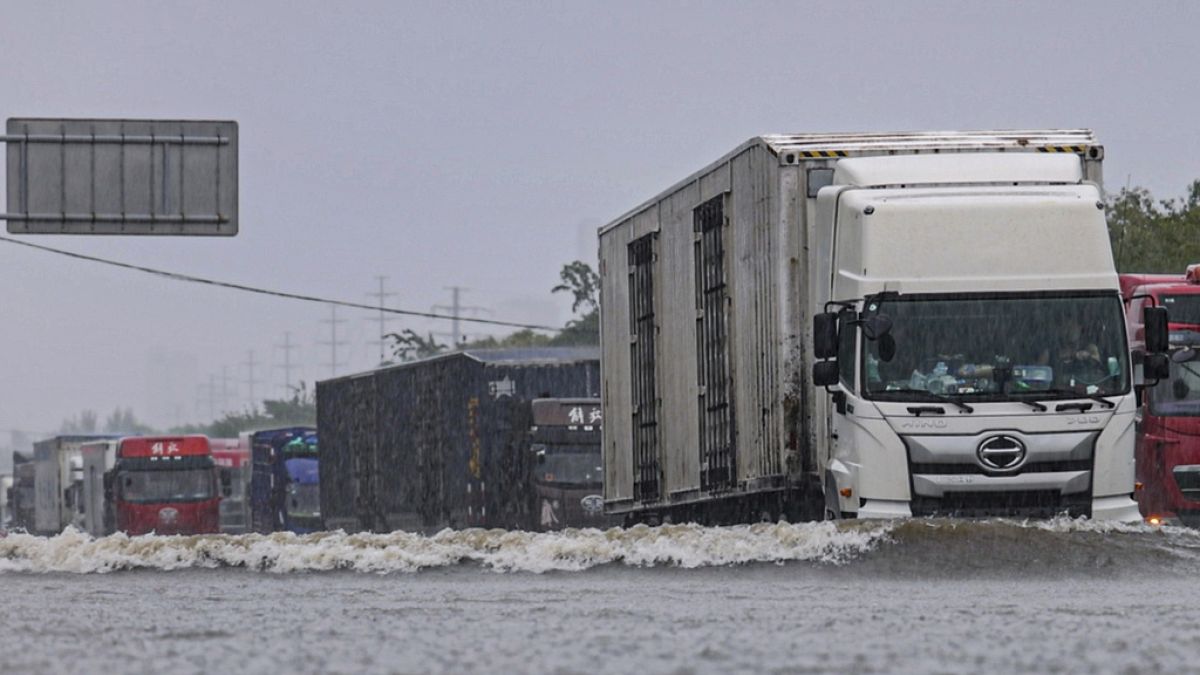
{"type": "Point", "coordinates": [1168, 427]}
{"type": "Point", "coordinates": [165, 485]}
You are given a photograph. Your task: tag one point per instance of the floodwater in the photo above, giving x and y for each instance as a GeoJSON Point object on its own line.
{"type": "Point", "coordinates": [915, 596]}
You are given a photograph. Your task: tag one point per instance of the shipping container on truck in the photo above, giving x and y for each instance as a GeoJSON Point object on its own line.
{"type": "Point", "coordinates": [943, 266]}
{"type": "Point", "coordinates": [6, 500]}
{"type": "Point", "coordinates": [232, 459]}
{"type": "Point", "coordinates": [441, 442]}
{"type": "Point", "coordinates": [99, 458]}
{"type": "Point", "coordinates": [1168, 437]}
{"type": "Point", "coordinates": [58, 482]}
{"type": "Point", "coordinates": [270, 478]}
{"type": "Point", "coordinates": [23, 491]}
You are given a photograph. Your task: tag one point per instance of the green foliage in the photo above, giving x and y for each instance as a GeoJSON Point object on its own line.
{"type": "Point", "coordinates": [122, 421]}
{"type": "Point", "coordinates": [409, 346]}
{"type": "Point", "coordinates": [521, 338]}
{"type": "Point", "coordinates": [299, 410]}
{"type": "Point", "coordinates": [582, 282]}
{"type": "Point", "coordinates": [85, 423]}
{"type": "Point", "coordinates": [1154, 236]}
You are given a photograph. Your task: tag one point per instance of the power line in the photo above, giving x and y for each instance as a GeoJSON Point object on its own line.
{"type": "Point", "coordinates": [177, 276]}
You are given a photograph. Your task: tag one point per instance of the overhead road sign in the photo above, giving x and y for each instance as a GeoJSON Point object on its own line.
{"type": "Point", "coordinates": [96, 176]}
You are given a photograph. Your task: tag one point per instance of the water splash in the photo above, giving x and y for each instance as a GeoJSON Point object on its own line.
{"type": "Point", "coordinates": [900, 548]}
{"type": "Point", "coordinates": [685, 546]}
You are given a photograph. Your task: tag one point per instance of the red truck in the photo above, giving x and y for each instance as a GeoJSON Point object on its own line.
{"type": "Point", "coordinates": [1168, 427]}
{"type": "Point", "coordinates": [164, 485]}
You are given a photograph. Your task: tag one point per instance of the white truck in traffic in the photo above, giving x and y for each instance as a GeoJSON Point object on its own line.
{"type": "Point", "coordinates": [870, 325]}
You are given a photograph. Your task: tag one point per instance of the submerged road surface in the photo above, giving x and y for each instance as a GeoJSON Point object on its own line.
{"type": "Point", "coordinates": [1064, 596]}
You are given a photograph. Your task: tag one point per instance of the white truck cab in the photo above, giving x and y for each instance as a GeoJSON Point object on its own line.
{"type": "Point", "coordinates": [981, 356]}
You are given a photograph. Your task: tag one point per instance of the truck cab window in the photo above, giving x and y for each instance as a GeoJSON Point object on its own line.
{"type": "Point", "coordinates": [847, 354]}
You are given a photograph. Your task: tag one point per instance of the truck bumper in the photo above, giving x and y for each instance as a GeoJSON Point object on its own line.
{"type": "Point", "coordinates": [884, 508]}
{"type": "Point", "coordinates": [1120, 508]}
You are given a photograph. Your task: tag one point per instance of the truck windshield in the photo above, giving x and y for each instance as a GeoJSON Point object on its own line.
{"type": "Point", "coordinates": [577, 464]}
{"type": "Point", "coordinates": [1000, 347]}
{"type": "Point", "coordinates": [1179, 395]}
{"type": "Point", "coordinates": [1183, 308]}
{"type": "Point", "coordinates": [163, 486]}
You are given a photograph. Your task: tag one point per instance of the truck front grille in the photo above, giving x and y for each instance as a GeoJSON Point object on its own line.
{"type": "Point", "coordinates": [1023, 504]}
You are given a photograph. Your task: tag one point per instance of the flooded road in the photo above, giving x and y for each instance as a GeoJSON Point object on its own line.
{"type": "Point", "coordinates": [1064, 596]}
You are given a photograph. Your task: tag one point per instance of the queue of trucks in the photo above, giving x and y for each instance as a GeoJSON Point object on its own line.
{"type": "Point", "coordinates": [813, 326]}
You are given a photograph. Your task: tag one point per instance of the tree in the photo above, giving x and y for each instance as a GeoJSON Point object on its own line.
{"type": "Point", "coordinates": [1154, 236]}
{"type": "Point", "coordinates": [123, 421]}
{"type": "Point", "coordinates": [582, 282]}
{"type": "Point", "coordinates": [409, 346]}
{"type": "Point", "coordinates": [85, 423]}
{"type": "Point", "coordinates": [299, 410]}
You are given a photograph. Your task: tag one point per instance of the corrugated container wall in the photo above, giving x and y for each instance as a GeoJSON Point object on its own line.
{"type": "Point", "coordinates": [441, 442]}
{"type": "Point", "coordinates": [713, 247]}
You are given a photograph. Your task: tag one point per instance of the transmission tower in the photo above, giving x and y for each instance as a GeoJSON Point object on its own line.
{"type": "Point", "coordinates": [333, 340]}
{"type": "Point", "coordinates": [250, 381]}
{"type": "Point", "coordinates": [287, 366]}
{"type": "Point", "coordinates": [456, 309]}
{"type": "Point", "coordinates": [383, 318]}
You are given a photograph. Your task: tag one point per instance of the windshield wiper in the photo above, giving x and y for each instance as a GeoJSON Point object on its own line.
{"type": "Point", "coordinates": [930, 394]}
{"type": "Point", "coordinates": [1074, 394]}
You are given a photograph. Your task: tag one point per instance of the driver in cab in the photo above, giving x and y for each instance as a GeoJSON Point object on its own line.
{"type": "Point", "coordinates": [1073, 357]}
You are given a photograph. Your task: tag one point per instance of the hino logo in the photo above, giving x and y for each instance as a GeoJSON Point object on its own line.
{"type": "Point", "coordinates": [923, 424]}
{"type": "Point", "coordinates": [1001, 453]}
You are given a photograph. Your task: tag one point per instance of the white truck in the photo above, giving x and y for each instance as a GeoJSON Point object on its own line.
{"type": "Point", "coordinates": [953, 291]}
{"type": "Point", "coordinates": [58, 483]}
{"type": "Point", "coordinates": [98, 459]}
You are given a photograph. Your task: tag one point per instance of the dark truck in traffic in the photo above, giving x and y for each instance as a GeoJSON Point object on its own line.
{"type": "Point", "coordinates": [449, 441]}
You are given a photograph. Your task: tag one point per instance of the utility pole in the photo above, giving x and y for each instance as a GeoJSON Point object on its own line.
{"type": "Point", "coordinates": [213, 396]}
{"type": "Point", "coordinates": [383, 318]}
{"type": "Point", "coordinates": [250, 381]}
{"type": "Point", "coordinates": [333, 341]}
{"type": "Point", "coordinates": [456, 310]}
{"type": "Point", "coordinates": [287, 366]}
{"type": "Point", "coordinates": [225, 389]}
{"type": "Point", "coordinates": [204, 393]}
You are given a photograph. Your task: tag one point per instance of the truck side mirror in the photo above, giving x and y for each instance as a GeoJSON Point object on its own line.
{"type": "Point", "coordinates": [825, 373]}
{"type": "Point", "coordinates": [825, 335]}
{"type": "Point", "coordinates": [1155, 320]}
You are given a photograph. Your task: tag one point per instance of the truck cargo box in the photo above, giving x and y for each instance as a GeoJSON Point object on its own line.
{"type": "Point", "coordinates": [441, 442]}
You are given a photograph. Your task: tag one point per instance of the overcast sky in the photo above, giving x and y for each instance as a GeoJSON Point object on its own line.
{"type": "Point", "coordinates": [480, 144]}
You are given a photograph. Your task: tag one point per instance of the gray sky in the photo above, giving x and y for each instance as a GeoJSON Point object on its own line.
{"type": "Point", "coordinates": [480, 144]}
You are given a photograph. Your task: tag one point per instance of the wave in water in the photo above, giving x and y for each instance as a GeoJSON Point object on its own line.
{"type": "Point", "coordinates": [892, 547]}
